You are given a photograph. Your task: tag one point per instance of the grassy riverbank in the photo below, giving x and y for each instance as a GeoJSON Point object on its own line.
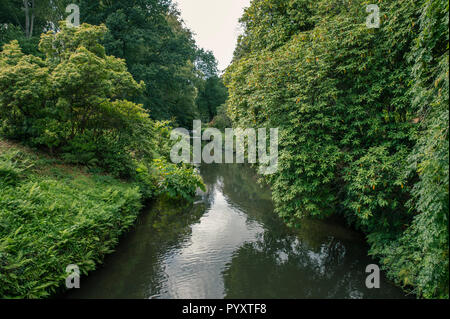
{"type": "Point", "coordinates": [53, 215]}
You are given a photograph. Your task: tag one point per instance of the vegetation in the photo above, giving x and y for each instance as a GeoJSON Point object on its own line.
{"type": "Point", "coordinates": [52, 216]}
{"type": "Point", "coordinates": [363, 118]}
{"type": "Point", "coordinates": [182, 80]}
{"type": "Point", "coordinates": [362, 112]}
{"type": "Point", "coordinates": [75, 102]}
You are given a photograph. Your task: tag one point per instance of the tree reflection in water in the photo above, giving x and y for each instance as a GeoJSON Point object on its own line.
{"type": "Point", "coordinates": [321, 259]}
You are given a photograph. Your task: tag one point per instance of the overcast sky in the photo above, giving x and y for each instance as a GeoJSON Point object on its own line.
{"type": "Point", "coordinates": [215, 25]}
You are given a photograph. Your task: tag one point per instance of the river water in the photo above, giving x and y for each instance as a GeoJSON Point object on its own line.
{"type": "Point", "coordinates": [231, 244]}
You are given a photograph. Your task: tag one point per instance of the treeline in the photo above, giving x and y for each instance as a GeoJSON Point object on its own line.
{"type": "Point", "coordinates": [363, 117]}
{"type": "Point", "coordinates": [104, 94]}
{"type": "Point", "coordinates": [182, 80]}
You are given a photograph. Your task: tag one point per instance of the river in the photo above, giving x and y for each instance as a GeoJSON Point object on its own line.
{"type": "Point", "coordinates": [231, 244]}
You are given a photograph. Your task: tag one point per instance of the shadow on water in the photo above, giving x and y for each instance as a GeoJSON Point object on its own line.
{"type": "Point", "coordinates": [231, 244]}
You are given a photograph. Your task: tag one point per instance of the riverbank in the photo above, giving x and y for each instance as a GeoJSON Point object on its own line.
{"type": "Point", "coordinates": [53, 215]}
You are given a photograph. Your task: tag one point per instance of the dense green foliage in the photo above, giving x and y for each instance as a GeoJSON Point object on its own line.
{"type": "Point", "coordinates": [41, 105]}
{"type": "Point", "coordinates": [157, 49]}
{"type": "Point", "coordinates": [210, 97]}
{"type": "Point", "coordinates": [420, 256]}
{"type": "Point", "coordinates": [160, 51]}
{"type": "Point", "coordinates": [26, 20]}
{"type": "Point", "coordinates": [182, 82]}
{"type": "Point", "coordinates": [51, 217]}
{"type": "Point", "coordinates": [363, 119]}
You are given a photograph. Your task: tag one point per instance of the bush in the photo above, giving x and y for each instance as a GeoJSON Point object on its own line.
{"type": "Point", "coordinates": [96, 127]}
{"type": "Point", "coordinates": [176, 182]}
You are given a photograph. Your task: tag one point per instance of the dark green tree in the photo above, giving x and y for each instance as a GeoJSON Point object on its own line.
{"type": "Point", "coordinates": [158, 50]}
{"type": "Point", "coordinates": [211, 95]}
{"type": "Point", "coordinates": [211, 91]}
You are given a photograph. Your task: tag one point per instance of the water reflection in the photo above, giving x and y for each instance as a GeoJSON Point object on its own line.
{"type": "Point", "coordinates": [232, 245]}
{"type": "Point", "coordinates": [195, 270]}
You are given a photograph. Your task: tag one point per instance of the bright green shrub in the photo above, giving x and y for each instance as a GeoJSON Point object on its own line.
{"type": "Point", "coordinates": [176, 182]}
{"type": "Point", "coordinates": [95, 127]}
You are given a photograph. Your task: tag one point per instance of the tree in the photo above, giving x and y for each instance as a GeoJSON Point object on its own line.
{"type": "Point", "coordinates": [75, 100]}
{"type": "Point", "coordinates": [32, 16]}
{"type": "Point", "coordinates": [211, 91]}
{"type": "Point", "coordinates": [211, 95]}
{"type": "Point", "coordinates": [158, 50]}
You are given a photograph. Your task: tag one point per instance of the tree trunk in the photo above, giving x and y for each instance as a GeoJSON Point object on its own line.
{"type": "Point", "coordinates": [33, 8]}
{"type": "Point", "coordinates": [27, 18]}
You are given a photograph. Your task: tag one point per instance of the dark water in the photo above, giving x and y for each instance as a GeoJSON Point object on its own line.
{"type": "Point", "coordinates": [232, 245]}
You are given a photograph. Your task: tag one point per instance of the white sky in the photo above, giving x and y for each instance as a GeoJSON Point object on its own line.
{"type": "Point", "coordinates": [215, 24]}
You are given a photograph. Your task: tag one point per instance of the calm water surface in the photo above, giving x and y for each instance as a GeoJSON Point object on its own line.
{"type": "Point", "coordinates": [231, 244]}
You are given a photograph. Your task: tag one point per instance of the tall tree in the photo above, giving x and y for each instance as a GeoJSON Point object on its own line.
{"type": "Point", "coordinates": [211, 91]}
{"type": "Point", "coordinates": [25, 21]}
{"type": "Point", "coordinates": [150, 36]}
